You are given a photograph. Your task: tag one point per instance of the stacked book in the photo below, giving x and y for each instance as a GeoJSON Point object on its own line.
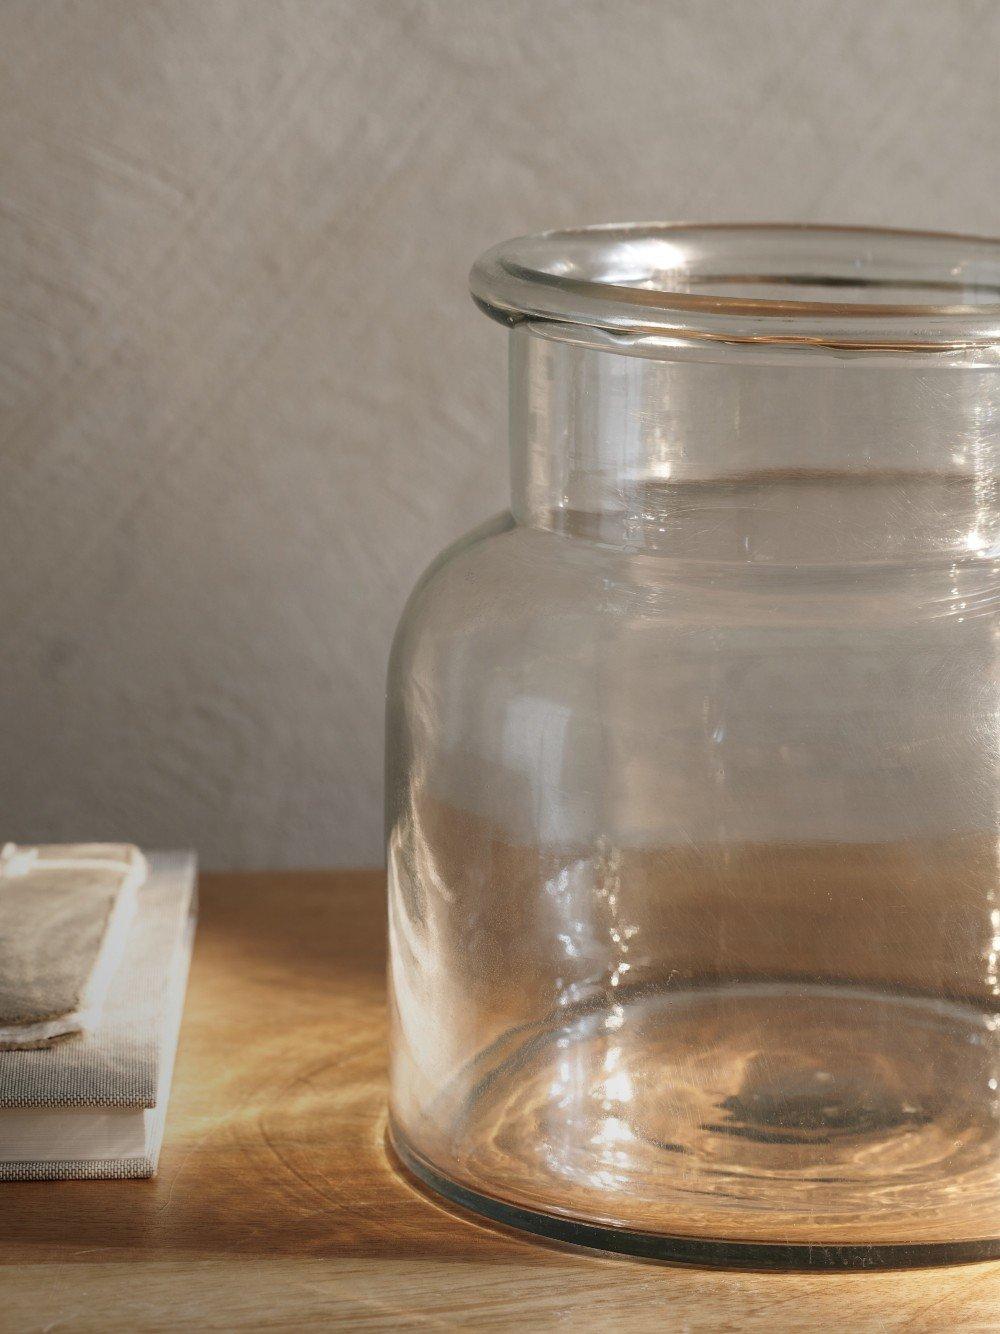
{"type": "Point", "coordinates": [95, 941]}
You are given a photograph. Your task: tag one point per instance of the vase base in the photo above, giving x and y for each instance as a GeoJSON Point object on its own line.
{"type": "Point", "coordinates": [699, 1251]}
{"type": "Point", "coordinates": [778, 1124]}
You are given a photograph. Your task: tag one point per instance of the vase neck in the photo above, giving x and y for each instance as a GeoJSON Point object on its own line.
{"type": "Point", "coordinates": [781, 459]}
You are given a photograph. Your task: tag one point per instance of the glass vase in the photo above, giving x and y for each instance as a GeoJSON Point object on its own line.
{"type": "Point", "coordinates": [693, 759]}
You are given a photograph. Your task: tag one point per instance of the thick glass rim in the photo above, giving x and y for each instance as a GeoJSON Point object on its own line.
{"type": "Point", "coordinates": [866, 288]}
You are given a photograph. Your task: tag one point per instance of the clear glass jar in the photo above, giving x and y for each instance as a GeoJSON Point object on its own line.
{"type": "Point", "coordinates": [693, 802]}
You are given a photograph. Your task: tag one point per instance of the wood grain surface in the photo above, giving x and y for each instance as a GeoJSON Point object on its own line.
{"type": "Point", "coordinates": [277, 1206]}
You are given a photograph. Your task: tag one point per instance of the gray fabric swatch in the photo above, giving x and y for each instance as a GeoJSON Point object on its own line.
{"type": "Point", "coordinates": [111, 1169]}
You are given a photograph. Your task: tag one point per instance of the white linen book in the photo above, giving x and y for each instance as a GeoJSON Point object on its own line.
{"type": "Point", "coordinates": [94, 1105]}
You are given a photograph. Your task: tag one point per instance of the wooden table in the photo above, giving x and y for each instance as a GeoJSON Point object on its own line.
{"type": "Point", "coordinates": [276, 1204]}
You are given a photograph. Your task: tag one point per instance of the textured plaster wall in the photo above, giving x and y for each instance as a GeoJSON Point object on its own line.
{"type": "Point", "coordinates": [243, 395]}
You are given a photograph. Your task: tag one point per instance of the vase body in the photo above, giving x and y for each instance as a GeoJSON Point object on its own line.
{"type": "Point", "coordinates": [694, 767]}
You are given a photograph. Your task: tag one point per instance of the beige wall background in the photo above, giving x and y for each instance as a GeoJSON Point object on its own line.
{"type": "Point", "coordinates": [243, 395]}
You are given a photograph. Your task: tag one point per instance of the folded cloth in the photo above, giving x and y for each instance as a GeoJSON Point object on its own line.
{"type": "Point", "coordinates": [95, 1106]}
{"type": "Point", "coordinates": [64, 915]}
